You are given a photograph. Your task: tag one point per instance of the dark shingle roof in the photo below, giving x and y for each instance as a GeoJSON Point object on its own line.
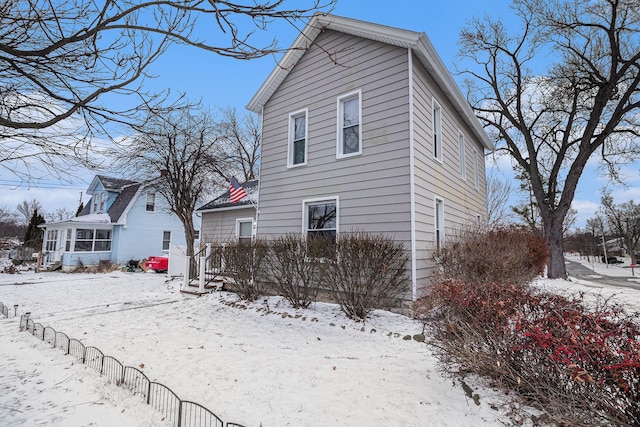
{"type": "Point", "coordinates": [224, 200]}
{"type": "Point", "coordinates": [121, 202]}
{"type": "Point", "coordinates": [110, 183]}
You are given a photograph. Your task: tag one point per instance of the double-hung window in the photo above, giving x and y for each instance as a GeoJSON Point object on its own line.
{"type": "Point", "coordinates": [151, 202]}
{"type": "Point", "coordinates": [439, 223]}
{"type": "Point", "coordinates": [297, 154]}
{"type": "Point", "coordinates": [101, 202]}
{"type": "Point", "coordinates": [166, 240]}
{"type": "Point", "coordinates": [463, 160]}
{"type": "Point", "coordinates": [476, 169]}
{"type": "Point", "coordinates": [321, 218]}
{"type": "Point", "coordinates": [437, 130]}
{"type": "Point", "coordinates": [349, 125]}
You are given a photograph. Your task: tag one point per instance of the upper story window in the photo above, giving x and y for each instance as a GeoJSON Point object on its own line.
{"type": "Point", "coordinates": [95, 203]}
{"type": "Point", "coordinates": [437, 130]}
{"type": "Point", "coordinates": [476, 168]}
{"type": "Point", "coordinates": [463, 160]}
{"type": "Point", "coordinates": [102, 202]}
{"type": "Point", "coordinates": [349, 125]}
{"type": "Point", "coordinates": [297, 155]}
{"type": "Point", "coordinates": [151, 202]}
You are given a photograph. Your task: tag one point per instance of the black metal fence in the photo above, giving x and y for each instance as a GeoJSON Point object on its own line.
{"type": "Point", "coordinates": [183, 413]}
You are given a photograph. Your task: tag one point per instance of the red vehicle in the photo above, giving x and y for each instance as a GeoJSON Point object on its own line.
{"type": "Point", "coordinates": [158, 263]}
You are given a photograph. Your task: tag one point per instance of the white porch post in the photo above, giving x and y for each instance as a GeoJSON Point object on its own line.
{"type": "Point", "coordinates": [203, 268]}
{"type": "Point", "coordinates": [187, 264]}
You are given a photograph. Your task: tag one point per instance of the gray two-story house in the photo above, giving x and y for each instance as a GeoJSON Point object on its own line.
{"type": "Point", "coordinates": [365, 129]}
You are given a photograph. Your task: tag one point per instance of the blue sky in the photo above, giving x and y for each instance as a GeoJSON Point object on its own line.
{"type": "Point", "coordinates": [222, 82]}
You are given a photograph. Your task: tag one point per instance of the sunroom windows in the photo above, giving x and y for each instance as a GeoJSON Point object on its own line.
{"type": "Point", "coordinates": [92, 240]}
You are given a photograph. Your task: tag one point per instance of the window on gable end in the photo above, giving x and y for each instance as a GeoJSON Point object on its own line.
{"type": "Point", "coordinates": [349, 125]}
{"type": "Point", "coordinates": [476, 169]}
{"type": "Point", "coordinates": [297, 151]}
{"type": "Point", "coordinates": [151, 202]}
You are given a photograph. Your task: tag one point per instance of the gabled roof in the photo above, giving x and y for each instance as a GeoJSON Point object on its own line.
{"type": "Point", "coordinates": [224, 200]}
{"type": "Point", "coordinates": [109, 183]}
{"type": "Point", "coordinates": [417, 42]}
{"type": "Point", "coordinates": [120, 204]}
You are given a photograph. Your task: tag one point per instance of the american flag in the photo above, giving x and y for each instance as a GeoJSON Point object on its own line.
{"type": "Point", "coordinates": [236, 191]}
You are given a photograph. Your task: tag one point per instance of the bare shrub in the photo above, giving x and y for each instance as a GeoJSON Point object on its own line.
{"type": "Point", "coordinates": [243, 261]}
{"type": "Point", "coordinates": [105, 266]}
{"type": "Point", "coordinates": [367, 272]}
{"type": "Point", "coordinates": [293, 266]}
{"type": "Point", "coordinates": [503, 255]}
{"type": "Point", "coordinates": [578, 364]}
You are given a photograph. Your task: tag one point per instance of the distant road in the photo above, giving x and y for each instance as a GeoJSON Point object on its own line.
{"type": "Point", "coordinates": [579, 271]}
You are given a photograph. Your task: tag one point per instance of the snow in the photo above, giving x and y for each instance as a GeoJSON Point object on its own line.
{"type": "Point", "coordinates": [261, 364]}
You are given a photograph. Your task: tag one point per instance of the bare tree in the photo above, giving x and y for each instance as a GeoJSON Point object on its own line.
{"type": "Point", "coordinates": [26, 209]}
{"type": "Point", "coordinates": [624, 221]}
{"type": "Point", "coordinates": [59, 214]}
{"type": "Point", "coordinates": [240, 141]}
{"type": "Point", "coordinates": [498, 192]}
{"type": "Point", "coordinates": [585, 104]}
{"type": "Point", "coordinates": [58, 60]}
{"type": "Point", "coordinates": [174, 149]}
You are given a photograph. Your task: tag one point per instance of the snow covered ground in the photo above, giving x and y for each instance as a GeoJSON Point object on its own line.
{"type": "Point", "coordinates": [261, 364]}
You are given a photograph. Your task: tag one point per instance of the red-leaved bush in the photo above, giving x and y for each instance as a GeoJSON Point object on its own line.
{"type": "Point", "coordinates": [579, 363]}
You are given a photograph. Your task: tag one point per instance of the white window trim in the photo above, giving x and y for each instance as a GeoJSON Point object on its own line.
{"type": "Point", "coordinates": [340, 118]}
{"type": "Point", "coordinates": [476, 169]}
{"type": "Point", "coordinates": [437, 130]}
{"type": "Point", "coordinates": [170, 239]}
{"type": "Point", "coordinates": [314, 201]}
{"type": "Point", "coordinates": [292, 117]}
{"type": "Point", "coordinates": [462, 146]}
{"type": "Point", "coordinates": [146, 201]}
{"type": "Point", "coordinates": [241, 220]}
{"type": "Point", "coordinates": [437, 225]}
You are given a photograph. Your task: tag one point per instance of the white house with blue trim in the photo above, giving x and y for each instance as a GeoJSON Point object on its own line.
{"type": "Point", "coordinates": [124, 220]}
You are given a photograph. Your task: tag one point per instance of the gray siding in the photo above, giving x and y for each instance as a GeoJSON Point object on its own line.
{"type": "Point", "coordinates": [373, 188]}
{"type": "Point", "coordinates": [220, 226]}
{"type": "Point", "coordinates": [462, 201]}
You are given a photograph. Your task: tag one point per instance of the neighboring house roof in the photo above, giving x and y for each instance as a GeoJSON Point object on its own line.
{"type": "Point", "coordinates": [417, 42]}
{"type": "Point", "coordinates": [126, 189]}
{"type": "Point", "coordinates": [224, 200]}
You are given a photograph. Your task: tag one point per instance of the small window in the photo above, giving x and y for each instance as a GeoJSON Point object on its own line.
{"type": "Point", "coordinates": [244, 229]}
{"type": "Point", "coordinates": [476, 169]}
{"type": "Point", "coordinates": [196, 234]}
{"type": "Point", "coordinates": [101, 202]}
{"type": "Point", "coordinates": [297, 155]}
{"type": "Point", "coordinates": [349, 125]}
{"type": "Point", "coordinates": [437, 130]}
{"type": "Point", "coordinates": [462, 147]}
{"type": "Point", "coordinates": [95, 204]}
{"type": "Point", "coordinates": [439, 223]}
{"type": "Point", "coordinates": [151, 202]}
{"type": "Point", "coordinates": [166, 240]}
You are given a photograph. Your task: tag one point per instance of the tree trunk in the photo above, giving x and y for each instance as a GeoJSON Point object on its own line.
{"type": "Point", "coordinates": [556, 268]}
